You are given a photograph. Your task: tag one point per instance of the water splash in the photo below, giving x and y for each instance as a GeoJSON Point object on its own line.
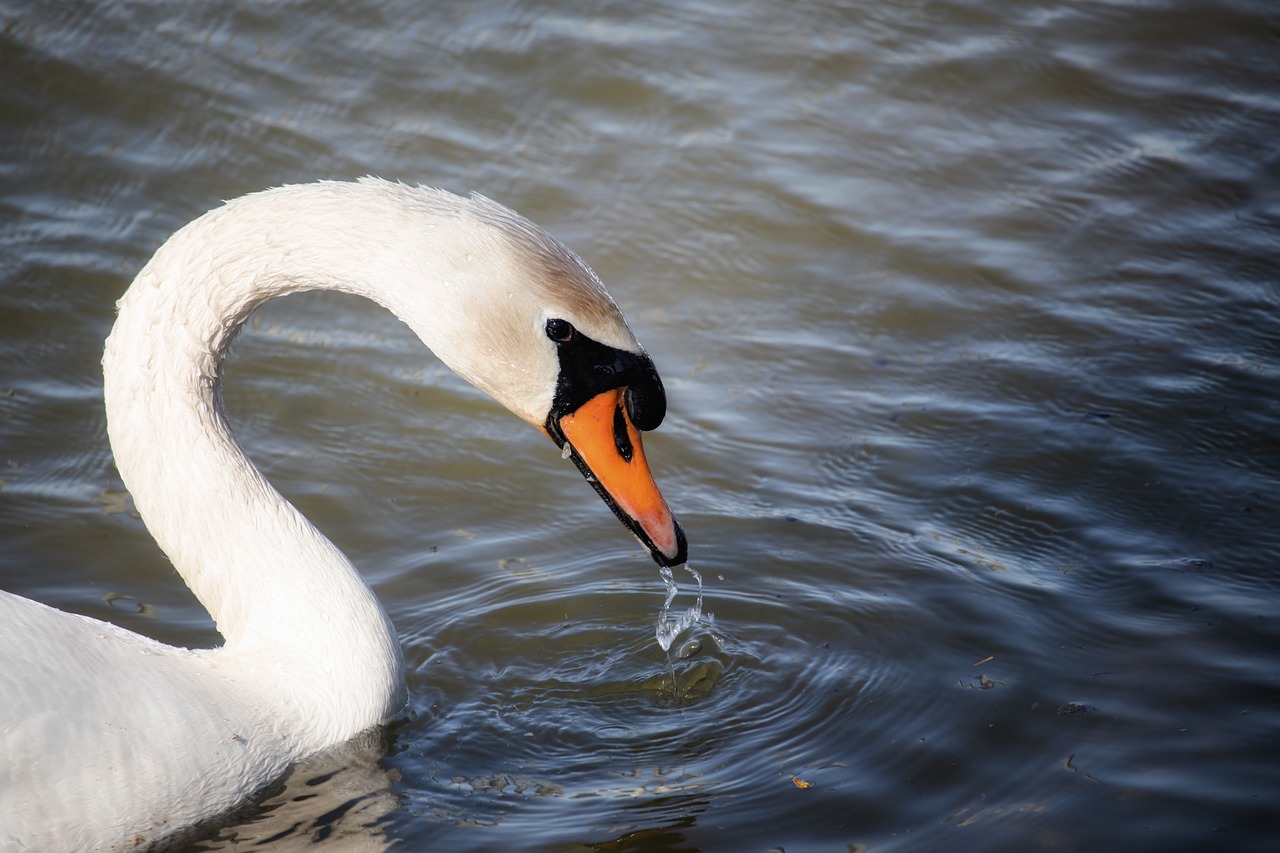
{"type": "Point", "coordinates": [669, 627]}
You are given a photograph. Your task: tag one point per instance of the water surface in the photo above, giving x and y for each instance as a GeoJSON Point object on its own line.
{"type": "Point", "coordinates": [968, 317]}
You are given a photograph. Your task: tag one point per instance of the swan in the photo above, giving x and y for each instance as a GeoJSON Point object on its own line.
{"type": "Point", "coordinates": [111, 740]}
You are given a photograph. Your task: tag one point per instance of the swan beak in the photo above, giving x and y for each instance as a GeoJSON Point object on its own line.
{"type": "Point", "coordinates": [606, 447]}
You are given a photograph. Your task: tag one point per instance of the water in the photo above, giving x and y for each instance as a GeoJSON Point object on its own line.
{"type": "Point", "coordinates": [669, 628]}
{"type": "Point", "coordinates": [968, 318]}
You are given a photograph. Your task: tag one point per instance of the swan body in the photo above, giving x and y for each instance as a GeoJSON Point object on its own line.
{"type": "Point", "coordinates": [110, 740]}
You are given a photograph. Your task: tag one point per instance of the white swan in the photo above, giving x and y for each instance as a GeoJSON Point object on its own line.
{"type": "Point", "coordinates": [111, 740]}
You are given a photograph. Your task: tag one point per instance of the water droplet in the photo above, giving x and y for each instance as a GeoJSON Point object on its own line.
{"type": "Point", "coordinates": [669, 628]}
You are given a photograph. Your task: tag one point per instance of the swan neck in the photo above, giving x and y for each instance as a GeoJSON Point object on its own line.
{"type": "Point", "coordinates": [282, 595]}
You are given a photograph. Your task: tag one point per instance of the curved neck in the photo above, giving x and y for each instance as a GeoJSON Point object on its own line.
{"type": "Point", "coordinates": [288, 602]}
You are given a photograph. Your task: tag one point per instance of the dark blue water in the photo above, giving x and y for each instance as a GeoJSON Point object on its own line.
{"type": "Point", "coordinates": [968, 313]}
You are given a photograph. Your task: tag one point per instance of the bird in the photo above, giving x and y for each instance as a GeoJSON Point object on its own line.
{"type": "Point", "coordinates": [110, 740]}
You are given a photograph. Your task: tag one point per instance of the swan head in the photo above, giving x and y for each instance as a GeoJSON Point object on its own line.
{"type": "Point", "coordinates": [524, 319]}
{"type": "Point", "coordinates": [605, 396]}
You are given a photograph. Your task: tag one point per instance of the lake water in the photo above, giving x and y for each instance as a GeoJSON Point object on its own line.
{"type": "Point", "coordinates": [968, 315]}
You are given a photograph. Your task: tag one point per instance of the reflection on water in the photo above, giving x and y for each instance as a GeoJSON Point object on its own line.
{"type": "Point", "coordinates": [967, 314]}
{"type": "Point", "coordinates": [340, 798]}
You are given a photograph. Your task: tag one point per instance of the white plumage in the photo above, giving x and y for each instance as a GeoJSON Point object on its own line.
{"type": "Point", "coordinates": [111, 740]}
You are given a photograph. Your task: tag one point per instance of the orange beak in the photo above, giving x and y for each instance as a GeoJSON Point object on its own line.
{"type": "Point", "coordinates": [606, 447]}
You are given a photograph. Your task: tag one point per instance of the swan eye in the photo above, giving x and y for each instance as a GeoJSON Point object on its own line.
{"type": "Point", "coordinates": [560, 331]}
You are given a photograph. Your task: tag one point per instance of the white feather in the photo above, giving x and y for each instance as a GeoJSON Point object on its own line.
{"type": "Point", "coordinates": [110, 740]}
